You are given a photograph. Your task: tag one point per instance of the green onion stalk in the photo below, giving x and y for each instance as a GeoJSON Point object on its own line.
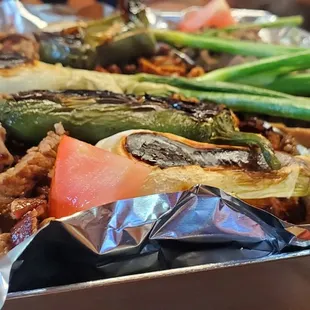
{"type": "Point", "coordinates": [236, 47]}
{"type": "Point", "coordinates": [283, 107]}
{"type": "Point", "coordinates": [295, 84]}
{"type": "Point", "coordinates": [280, 22]}
{"type": "Point", "coordinates": [210, 86]}
{"type": "Point", "coordinates": [269, 68]}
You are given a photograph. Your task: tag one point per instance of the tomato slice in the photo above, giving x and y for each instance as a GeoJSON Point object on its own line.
{"type": "Point", "coordinates": [216, 13]}
{"type": "Point", "coordinates": [86, 176]}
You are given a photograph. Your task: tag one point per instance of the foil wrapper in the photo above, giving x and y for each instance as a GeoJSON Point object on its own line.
{"type": "Point", "coordinates": [200, 226]}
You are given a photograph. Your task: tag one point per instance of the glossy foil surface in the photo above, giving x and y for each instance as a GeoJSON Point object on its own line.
{"type": "Point", "coordinates": [201, 226]}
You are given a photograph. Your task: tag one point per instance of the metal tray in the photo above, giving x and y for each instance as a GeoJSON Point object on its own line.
{"type": "Point", "coordinates": [277, 282]}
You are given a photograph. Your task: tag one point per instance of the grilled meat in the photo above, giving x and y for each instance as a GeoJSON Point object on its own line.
{"type": "Point", "coordinates": [26, 227]}
{"type": "Point", "coordinates": [18, 181]}
{"type": "Point", "coordinates": [20, 206]}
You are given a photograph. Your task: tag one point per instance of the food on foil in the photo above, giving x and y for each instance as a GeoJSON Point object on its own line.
{"type": "Point", "coordinates": [84, 176]}
{"type": "Point", "coordinates": [157, 132]}
{"type": "Point", "coordinates": [156, 162]}
{"type": "Point", "coordinates": [93, 115]}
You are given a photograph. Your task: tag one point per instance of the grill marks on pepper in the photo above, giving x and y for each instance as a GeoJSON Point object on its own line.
{"type": "Point", "coordinates": [163, 152]}
{"type": "Point", "coordinates": [12, 60]}
{"type": "Point", "coordinates": [200, 111]}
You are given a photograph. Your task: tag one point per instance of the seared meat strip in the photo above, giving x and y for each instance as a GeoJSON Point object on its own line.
{"type": "Point", "coordinates": [20, 206]}
{"type": "Point", "coordinates": [6, 159]}
{"type": "Point", "coordinates": [16, 182]}
{"type": "Point", "coordinates": [26, 227]}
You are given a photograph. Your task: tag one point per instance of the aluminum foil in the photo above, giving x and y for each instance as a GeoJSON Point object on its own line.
{"type": "Point", "coordinates": [201, 226]}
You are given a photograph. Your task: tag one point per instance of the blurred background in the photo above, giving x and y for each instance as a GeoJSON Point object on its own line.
{"type": "Point", "coordinates": [95, 9]}
{"type": "Point", "coordinates": [279, 7]}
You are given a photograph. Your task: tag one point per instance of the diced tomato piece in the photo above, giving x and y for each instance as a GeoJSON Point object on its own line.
{"type": "Point", "coordinates": [86, 176]}
{"type": "Point", "coordinates": [221, 19]}
{"type": "Point", "coordinates": [216, 13]}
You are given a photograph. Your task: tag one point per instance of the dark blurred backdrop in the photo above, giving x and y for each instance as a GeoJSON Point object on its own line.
{"type": "Point", "coordinates": [279, 7]}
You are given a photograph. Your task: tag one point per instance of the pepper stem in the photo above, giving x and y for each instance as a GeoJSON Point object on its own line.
{"type": "Point", "coordinates": [223, 130]}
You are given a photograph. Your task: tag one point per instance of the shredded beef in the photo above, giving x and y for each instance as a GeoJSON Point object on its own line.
{"type": "Point", "coordinates": [19, 181]}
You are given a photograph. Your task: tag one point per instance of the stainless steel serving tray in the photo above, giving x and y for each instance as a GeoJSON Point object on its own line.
{"type": "Point", "coordinates": [277, 282]}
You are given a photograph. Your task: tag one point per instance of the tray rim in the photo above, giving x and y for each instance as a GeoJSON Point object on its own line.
{"type": "Point", "coordinates": [153, 275]}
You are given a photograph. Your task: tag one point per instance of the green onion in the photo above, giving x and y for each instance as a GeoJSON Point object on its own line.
{"type": "Point", "coordinates": [237, 97]}
{"type": "Point", "coordinates": [273, 66]}
{"type": "Point", "coordinates": [236, 47]}
{"type": "Point", "coordinates": [296, 84]}
{"type": "Point", "coordinates": [283, 107]}
{"type": "Point", "coordinates": [191, 84]}
{"type": "Point", "coordinates": [289, 21]}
